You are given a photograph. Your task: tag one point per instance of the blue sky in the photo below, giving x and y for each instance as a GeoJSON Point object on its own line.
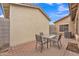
{"type": "Point", "coordinates": [55, 11]}
{"type": "Point", "coordinates": [1, 14]}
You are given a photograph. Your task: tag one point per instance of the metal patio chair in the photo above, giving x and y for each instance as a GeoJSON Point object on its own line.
{"type": "Point", "coordinates": [40, 41]}
{"type": "Point", "coordinates": [57, 40]}
{"type": "Point", "coordinates": [41, 33]}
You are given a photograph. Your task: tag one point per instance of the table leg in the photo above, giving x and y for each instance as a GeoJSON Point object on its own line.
{"type": "Point", "coordinates": [50, 43]}
{"type": "Point", "coordinates": [47, 42]}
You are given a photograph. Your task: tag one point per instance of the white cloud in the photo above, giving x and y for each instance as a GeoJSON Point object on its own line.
{"type": "Point", "coordinates": [57, 16]}
{"type": "Point", "coordinates": [59, 12]}
{"type": "Point", "coordinates": [1, 15]}
{"type": "Point", "coordinates": [61, 15]}
{"type": "Point", "coordinates": [62, 8]}
{"type": "Point", "coordinates": [51, 23]}
{"type": "Point", "coordinates": [49, 3]}
{"type": "Point", "coordinates": [59, 3]}
{"type": "Point", "coordinates": [55, 3]}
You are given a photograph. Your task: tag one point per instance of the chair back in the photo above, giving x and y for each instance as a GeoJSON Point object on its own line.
{"type": "Point", "coordinates": [41, 33]}
{"type": "Point", "coordinates": [38, 38]}
{"type": "Point", "coordinates": [59, 37]}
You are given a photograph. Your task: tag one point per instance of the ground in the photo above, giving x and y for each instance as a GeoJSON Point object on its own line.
{"type": "Point", "coordinates": [28, 49]}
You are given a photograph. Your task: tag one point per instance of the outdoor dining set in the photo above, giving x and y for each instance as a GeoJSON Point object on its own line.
{"type": "Point", "coordinates": [42, 39]}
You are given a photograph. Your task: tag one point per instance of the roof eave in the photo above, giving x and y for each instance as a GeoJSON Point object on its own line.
{"type": "Point", "coordinates": [61, 18]}
{"type": "Point", "coordinates": [30, 6]}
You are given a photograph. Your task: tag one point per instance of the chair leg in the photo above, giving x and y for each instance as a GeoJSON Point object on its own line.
{"type": "Point", "coordinates": [47, 43]}
{"type": "Point", "coordinates": [54, 43]}
{"type": "Point", "coordinates": [36, 46]}
{"type": "Point", "coordinates": [58, 45]}
{"type": "Point", "coordinates": [41, 47]}
{"type": "Point", "coordinates": [50, 43]}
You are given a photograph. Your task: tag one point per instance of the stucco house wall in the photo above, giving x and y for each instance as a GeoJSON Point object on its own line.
{"type": "Point", "coordinates": [76, 22]}
{"type": "Point", "coordinates": [74, 11]}
{"type": "Point", "coordinates": [52, 29]}
{"type": "Point", "coordinates": [78, 19]}
{"type": "Point", "coordinates": [64, 21]}
{"type": "Point", "coordinates": [25, 22]}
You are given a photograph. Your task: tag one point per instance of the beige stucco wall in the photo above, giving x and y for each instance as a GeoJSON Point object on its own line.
{"type": "Point", "coordinates": [78, 19]}
{"type": "Point", "coordinates": [25, 22]}
{"type": "Point", "coordinates": [77, 16]}
{"type": "Point", "coordinates": [63, 22]}
{"type": "Point", "coordinates": [78, 24]}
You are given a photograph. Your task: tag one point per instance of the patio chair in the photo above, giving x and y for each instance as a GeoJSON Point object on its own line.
{"type": "Point", "coordinates": [41, 33]}
{"type": "Point", "coordinates": [57, 40]}
{"type": "Point", "coordinates": [41, 42]}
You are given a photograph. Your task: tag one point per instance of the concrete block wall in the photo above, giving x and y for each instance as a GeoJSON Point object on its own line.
{"type": "Point", "coordinates": [4, 33]}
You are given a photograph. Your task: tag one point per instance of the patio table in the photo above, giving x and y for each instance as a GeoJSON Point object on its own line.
{"type": "Point", "coordinates": [49, 38]}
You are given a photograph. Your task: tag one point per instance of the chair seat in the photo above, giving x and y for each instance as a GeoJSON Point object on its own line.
{"type": "Point", "coordinates": [57, 41]}
{"type": "Point", "coordinates": [54, 39]}
{"type": "Point", "coordinates": [44, 41]}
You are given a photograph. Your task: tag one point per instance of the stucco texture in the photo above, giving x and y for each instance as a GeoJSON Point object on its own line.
{"type": "Point", "coordinates": [25, 22]}
{"type": "Point", "coordinates": [64, 21]}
